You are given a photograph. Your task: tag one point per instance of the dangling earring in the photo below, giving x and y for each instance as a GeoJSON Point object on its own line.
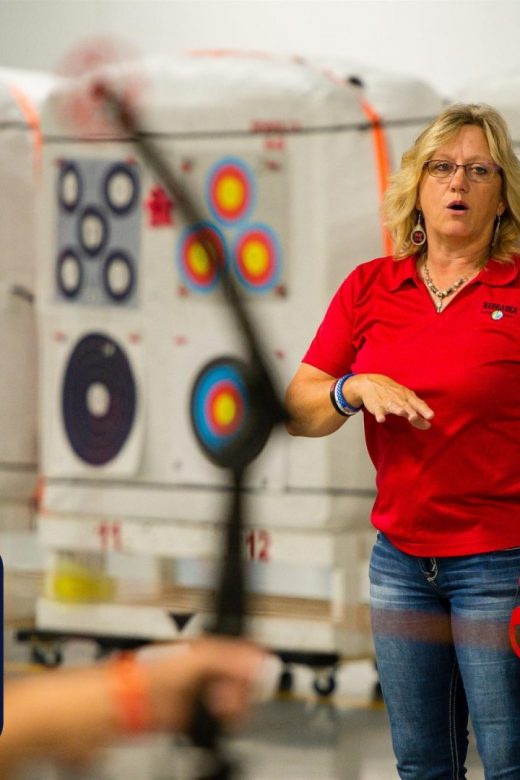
{"type": "Point", "coordinates": [497, 231]}
{"type": "Point", "coordinates": [418, 234]}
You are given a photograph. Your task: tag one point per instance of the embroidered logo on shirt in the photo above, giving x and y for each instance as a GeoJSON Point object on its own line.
{"type": "Point", "coordinates": [498, 310]}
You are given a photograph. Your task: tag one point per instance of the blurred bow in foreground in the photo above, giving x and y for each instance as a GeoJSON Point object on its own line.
{"type": "Point", "coordinates": [97, 104]}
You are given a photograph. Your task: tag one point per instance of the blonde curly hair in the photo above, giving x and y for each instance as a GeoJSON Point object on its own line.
{"type": "Point", "coordinates": [399, 205]}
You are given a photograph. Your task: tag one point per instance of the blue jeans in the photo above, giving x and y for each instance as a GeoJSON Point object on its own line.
{"type": "Point", "coordinates": [441, 637]}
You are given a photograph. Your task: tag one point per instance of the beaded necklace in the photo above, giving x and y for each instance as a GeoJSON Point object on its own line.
{"type": "Point", "coordinates": [441, 294]}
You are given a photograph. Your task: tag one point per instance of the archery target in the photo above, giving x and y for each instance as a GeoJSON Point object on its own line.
{"type": "Point", "coordinates": [218, 405]}
{"type": "Point", "coordinates": [98, 399]}
{"type": "Point", "coordinates": [121, 188]}
{"type": "Point", "coordinates": [98, 232]}
{"type": "Point", "coordinates": [257, 258]}
{"type": "Point", "coordinates": [69, 273]}
{"type": "Point", "coordinates": [212, 411]}
{"type": "Point", "coordinates": [69, 186]}
{"type": "Point", "coordinates": [223, 418]}
{"type": "Point", "coordinates": [118, 275]}
{"type": "Point", "coordinates": [230, 191]}
{"type": "Point", "coordinates": [245, 197]}
{"type": "Point", "coordinates": [200, 253]}
{"type": "Point", "coordinates": [92, 230]}
{"type": "Point", "coordinates": [92, 402]}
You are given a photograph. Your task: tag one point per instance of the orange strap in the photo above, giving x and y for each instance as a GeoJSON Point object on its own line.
{"type": "Point", "coordinates": [131, 691]}
{"type": "Point", "coordinates": [32, 118]}
{"type": "Point", "coordinates": [382, 165]}
{"type": "Point", "coordinates": [39, 493]}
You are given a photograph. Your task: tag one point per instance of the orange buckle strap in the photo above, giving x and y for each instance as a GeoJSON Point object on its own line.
{"type": "Point", "coordinates": [131, 690]}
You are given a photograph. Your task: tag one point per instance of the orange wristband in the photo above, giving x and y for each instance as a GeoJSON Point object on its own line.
{"type": "Point", "coordinates": [130, 685]}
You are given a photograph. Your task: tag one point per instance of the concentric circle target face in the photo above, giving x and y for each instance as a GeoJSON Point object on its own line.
{"type": "Point", "coordinates": [98, 399]}
{"type": "Point", "coordinates": [257, 258]}
{"type": "Point", "coordinates": [121, 188]}
{"type": "Point", "coordinates": [230, 190]}
{"type": "Point", "coordinates": [201, 252]}
{"type": "Point", "coordinates": [69, 273]}
{"type": "Point", "coordinates": [118, 275]}
{"type": "Point", "coordinates": [219, 406]}
{"type": "Point", "coordinates": [230, 431]}
{"type": "Point", "coordinates": [70, 186]}
{"type": "Point", "coordinates": [92, 230]}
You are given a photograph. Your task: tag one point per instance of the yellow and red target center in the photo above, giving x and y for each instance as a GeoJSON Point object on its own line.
{"type": "Point", "coordinates": [255, 257]}
{"type": "Point", "coordinates": [198, 260]}
{"type": "Point", "coordinates": [230, 193]}
{"type": "Point", "coordinates": [225, 408]}
{"type": "Point", "coordinates": [202, 255]}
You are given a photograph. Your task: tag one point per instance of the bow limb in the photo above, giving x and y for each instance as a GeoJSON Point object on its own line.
{"type": "Point", "coordinates": [267, 411]}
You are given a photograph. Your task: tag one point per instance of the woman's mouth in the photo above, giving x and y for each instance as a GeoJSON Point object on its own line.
{"type": "Point", "coordinates": [457, 206]}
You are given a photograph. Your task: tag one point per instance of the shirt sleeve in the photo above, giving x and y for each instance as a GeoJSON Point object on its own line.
{"type": "Point", "coordinates": [331, 349]}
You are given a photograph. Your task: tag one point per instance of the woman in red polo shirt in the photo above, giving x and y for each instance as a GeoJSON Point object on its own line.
{"type": "Point", "coordinates": [427, 344]}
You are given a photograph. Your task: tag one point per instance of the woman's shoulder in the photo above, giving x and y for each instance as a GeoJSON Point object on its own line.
{"type": "Point", "coordinates": [385, 270]}
{"type": "Point", "coordinates": [500, 272]}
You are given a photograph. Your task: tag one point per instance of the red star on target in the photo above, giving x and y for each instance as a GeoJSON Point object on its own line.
{"type": "Point", "coordinates": [160, 206]}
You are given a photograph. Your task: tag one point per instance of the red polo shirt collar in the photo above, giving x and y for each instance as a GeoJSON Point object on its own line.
{"type": "Point", "coordinates": [494, 274]}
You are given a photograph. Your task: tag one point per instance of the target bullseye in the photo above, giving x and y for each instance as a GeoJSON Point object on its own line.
{"type": "Point", "coordinates": [224, 408]}
{"type": "Point", "coordinates": [230, 190]}
{"type": "Point", "coordinates": [99, 399]}
{"type": "Point", "coordinates": [200, 254]}
{"type": "Point", "coordinates": [257, 258]}
{"type": "Point", "coordinates": [218, 404]}
{"type": "Point", "coordinates": [224, 419]}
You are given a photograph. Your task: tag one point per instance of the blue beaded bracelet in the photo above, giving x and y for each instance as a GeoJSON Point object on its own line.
{"type": "Point", "coordinates": [333, 401]}
{"type": "Point", "coordinates": [338, 400]}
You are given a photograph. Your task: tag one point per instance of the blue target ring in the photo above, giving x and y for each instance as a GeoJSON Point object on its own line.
{"type": "Point", "coordinates": [223, 418]}
{"type": "Point", "coordinates": [219, 404]}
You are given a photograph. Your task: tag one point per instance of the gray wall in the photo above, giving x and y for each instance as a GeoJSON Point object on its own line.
{"type": "Point", "coordinates": [446, 42]}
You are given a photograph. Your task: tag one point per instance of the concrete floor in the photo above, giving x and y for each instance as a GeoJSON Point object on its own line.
{"type": "Point", "coordinates": [294, 736]}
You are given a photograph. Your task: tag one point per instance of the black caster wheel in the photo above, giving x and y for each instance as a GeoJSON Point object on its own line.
{"type": "Point", "coordinates": [325, 683]}
{"type": "Point", "coordinates": [46, 655]}
{"type": "Point", "coordinates": [286, 681]}
{"type": "Point", "coordinates": [377, 693]}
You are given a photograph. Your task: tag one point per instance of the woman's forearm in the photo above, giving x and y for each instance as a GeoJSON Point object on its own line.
{"type": "Point", "coordinates": [309, 406]}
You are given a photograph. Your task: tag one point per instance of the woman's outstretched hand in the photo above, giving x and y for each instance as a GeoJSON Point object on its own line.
{"type": "Point", "coordinates": [311, 412]}
{"type": "Point", "coordinates": [381, 396]}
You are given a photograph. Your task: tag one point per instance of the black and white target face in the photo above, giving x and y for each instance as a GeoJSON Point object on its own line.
{"type": "Point", "coordinates": [118, 275]}
{"type": "Point", "coordinates": [98, 232]}
{"type": "Point", "coordinates": [69, 273]}
{"type": "Point", "coordinates": [98, 399]}
{"type": "Point", "coordinates": [121, 188]}
{"type": "Point", "coordinates": [92, 230]}
{"type": "Point", "coordinates": [70, 186]}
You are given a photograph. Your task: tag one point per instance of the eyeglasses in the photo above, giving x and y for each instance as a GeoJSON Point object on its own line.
{"type": "Point", "coordinates": [475, 171]}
